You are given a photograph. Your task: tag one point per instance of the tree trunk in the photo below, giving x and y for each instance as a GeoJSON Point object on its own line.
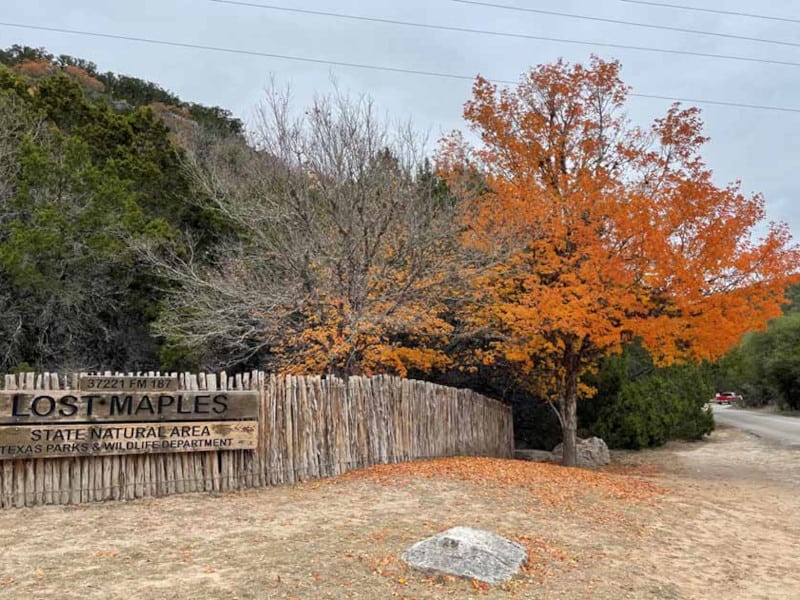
{"type": "Point", "coordinates": [569, 417]}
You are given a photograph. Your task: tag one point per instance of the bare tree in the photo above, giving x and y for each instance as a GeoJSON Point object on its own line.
{"type": "Point", "coordinates": [344, 250]}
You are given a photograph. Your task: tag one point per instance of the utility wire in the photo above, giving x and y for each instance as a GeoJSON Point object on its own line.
{"type": "Point", "coordinates": [715, 11]}
{"type": "Point", "coordinates": [717, 102]}
{"type": "Point", "coordinates": [523, 36]}
{"type": "Point", "coordinates": [337, 63]}
{"type": "Point", "coordinates": [553, 13]}
{"type": "Point", "coordinates": [321, 61]}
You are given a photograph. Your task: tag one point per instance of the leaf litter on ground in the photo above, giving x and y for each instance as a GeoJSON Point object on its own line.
{"type": "Point", "coordinates": [602, 498]}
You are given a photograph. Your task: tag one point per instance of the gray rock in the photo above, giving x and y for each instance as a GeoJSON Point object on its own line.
{"type": "Point", "coordinates": [121, 106]}
{"type": "Point", "coordinates": [534, 455]}
{"type": "Point", "coordinates": [468, 552]}
{"type": "Point", "coordinates": [591, 452]}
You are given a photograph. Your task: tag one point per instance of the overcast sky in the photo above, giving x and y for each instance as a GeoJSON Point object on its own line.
{"type": "Point", "coordinates": [758, 147]}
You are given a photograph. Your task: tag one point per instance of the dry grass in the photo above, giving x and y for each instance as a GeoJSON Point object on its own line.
{"type": "Point", "coordinates": [652, 526]}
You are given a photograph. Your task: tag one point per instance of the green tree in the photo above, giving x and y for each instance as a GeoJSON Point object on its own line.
{"type": "Point", "coordinates": [765, 368]}
{"type": "Point", "coordinates": [78, 183]}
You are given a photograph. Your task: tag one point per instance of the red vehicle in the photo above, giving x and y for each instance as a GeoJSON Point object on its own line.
{"type": "Point", "coordinates": [727, 397]}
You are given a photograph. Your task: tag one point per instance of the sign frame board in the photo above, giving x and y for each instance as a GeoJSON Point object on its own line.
{"type": "Point", "coordinates": [116, 415]}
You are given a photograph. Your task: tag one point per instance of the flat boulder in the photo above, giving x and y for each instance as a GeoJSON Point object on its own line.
{"type": "Point", "coordinates": [468, 552]}
{"type": "Point", "coordinates": [591, 452]}
{"type": "Point", "coordinates": [534, 455]}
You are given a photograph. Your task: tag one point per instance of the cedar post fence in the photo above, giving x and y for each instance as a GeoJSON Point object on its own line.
{"type": "Point", "coordinates": [308, 427]}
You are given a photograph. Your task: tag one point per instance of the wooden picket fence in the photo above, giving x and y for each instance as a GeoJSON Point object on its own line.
{"type": "Point", "coordinates": [309, 427]}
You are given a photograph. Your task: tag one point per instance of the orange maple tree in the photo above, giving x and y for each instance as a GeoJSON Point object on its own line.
{"type": "Point", "coordinates": [609, 231]}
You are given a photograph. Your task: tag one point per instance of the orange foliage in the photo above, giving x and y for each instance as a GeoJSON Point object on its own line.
{"type": "Point", "coordinates": [39, 67]}
{"type": "Point", "coordinates": [162, 109]}
{"type": "Point", "coordinates": [610, 231]}
{"type": "Point", "coordinates": [42, 67]}
{"type": "Point", "coordinates": [549, 484]}
{"type": "Point", "coordinates": [340, 339]}
{"type": "Point", "coordinates": [84, 79]}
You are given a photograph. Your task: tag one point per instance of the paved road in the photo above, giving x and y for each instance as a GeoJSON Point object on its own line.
{"type": "Point", "coordinates": [784, 430]}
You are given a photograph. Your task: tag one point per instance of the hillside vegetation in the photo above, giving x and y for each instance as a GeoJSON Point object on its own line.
{"type": "Point", "coordinates": [88, 164]}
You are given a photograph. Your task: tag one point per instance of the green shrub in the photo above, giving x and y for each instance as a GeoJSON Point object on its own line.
{"type": "Point", "coordinates": [640, 406]}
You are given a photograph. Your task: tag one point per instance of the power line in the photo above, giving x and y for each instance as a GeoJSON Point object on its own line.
{"type": "Point", "coordinates": [336, 63]}
{"type": "Point", "coordinates": [717, 102]}
{"type": "Point", "coordinates": [715, 11]}
{"type": "Point", "coordinates": [130, 38]}
{"type": "Point", "coordinates": [621, 22]}
{"type": "Point", "coordinates": [523, 36]}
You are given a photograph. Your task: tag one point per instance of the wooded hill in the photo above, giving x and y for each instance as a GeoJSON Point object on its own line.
{"type": "Point", "coordinates": [141, 231]}
{"type": "Point", "coordinates": [88, 163]}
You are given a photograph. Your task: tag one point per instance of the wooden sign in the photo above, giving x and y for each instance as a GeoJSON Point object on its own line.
{"type": "Point", "coordinates": [125, 415]}
{"type": "Point", "coordinates": [102, 383]}
{"type": "Point", "coordinates": [43, 406]}
{"type": "Point", "coordinates": [125, 438]}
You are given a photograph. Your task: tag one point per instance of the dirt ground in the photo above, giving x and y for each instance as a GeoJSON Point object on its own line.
{"type": "Point", "coordinates": [714, 519]}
